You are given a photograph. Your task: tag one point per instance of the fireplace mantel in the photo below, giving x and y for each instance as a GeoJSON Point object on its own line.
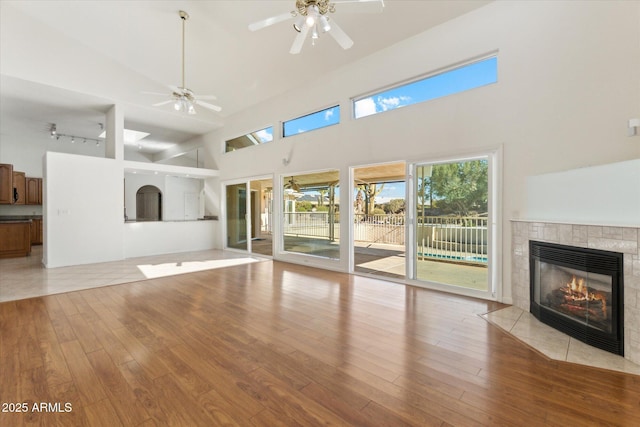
{"type": "Point", "coordinates": [616, 238]}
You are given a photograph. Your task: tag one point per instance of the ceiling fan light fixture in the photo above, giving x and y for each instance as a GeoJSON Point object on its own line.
{"type": "Point", "coordinates": [314, 33]}
{"type": "Point", "coordinates": [324, 24]}
{"type": "Point", "coordinates": [190, 108]}
{"type": "Point", "coordinates": [312, 15]}
{"type": "Point", "coordinates": [299, 23]}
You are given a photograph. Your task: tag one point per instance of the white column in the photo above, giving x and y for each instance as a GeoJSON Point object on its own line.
{"type": "Point", "coordinates": [115, 133]}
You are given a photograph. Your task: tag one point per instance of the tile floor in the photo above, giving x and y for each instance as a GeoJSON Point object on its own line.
{"type": "Point", "coordinates": [26, 277]}
{"type": "Point", "coordinates": [555, 344]}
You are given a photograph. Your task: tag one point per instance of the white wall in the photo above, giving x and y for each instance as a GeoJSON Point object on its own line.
{"type": "Point", "coordinates": [176, 188]}
{"type": "Point", "coordinates": [153, 238]}
{"type": "Point", "coordinates": [568, 83]}
{"type": "Point", "coordinates": [602, 195]}
{"type": "Point", "coordinates": [83, 221]}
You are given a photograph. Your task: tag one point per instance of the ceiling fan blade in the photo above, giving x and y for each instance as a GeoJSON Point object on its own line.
{"type": "Point", "coordinates": [296, 47]}
{"type": "Point", "coordinates": [211, 97]}
{"type": "Point", "coordinates": [209, 106]}
{"type": "Point", "coordinates": [359, 6]}
{"type": "Point", "coordinates": [340, 36]}
{"type": "Point", "coordinates": [153, 93]}
{"type": "Point", "coordinates": [176, 89]}
{"type": "Point", "coordinates": [269, 21]}
{"type": "Point", "coordinates": [162, 103]}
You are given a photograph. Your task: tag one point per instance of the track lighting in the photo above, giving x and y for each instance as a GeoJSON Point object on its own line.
{"type": "Point", "coordinates": [53, 131]}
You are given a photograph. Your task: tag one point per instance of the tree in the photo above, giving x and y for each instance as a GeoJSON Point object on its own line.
{"type": "Point", "coordinates": [395, 206]}
{"type": "Point", "coordinates": [460, 187]}
{"type": "Point", "coordinates": [370, 192]}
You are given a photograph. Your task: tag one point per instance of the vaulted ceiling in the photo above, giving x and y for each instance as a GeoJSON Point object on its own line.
{"type": "Point", "coordinates": [68, 61]}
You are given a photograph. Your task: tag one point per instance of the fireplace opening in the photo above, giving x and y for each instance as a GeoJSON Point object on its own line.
{"type": "Point", "coordinates": [579, 292]}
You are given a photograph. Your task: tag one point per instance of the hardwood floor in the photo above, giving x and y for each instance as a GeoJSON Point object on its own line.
{"type": "Point", "coordinates": [276, 344]}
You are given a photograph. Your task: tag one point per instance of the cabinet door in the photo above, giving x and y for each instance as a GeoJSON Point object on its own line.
{"type": "Point", "coordinates": [36, 232]}
{"type": "Point", "coordinates": [34, 189]}
{"type": "Point", "coordinates": [19, 187]}
{"type": "Point", "coordinates": [6, 184]}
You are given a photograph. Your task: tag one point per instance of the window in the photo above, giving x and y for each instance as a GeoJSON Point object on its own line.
{"type": "Point", "coordinates": [463, 78]}
{"type": "Point", "coordinates": [313, 121]}
{"type": "Point", "coordinates": [249, 140]}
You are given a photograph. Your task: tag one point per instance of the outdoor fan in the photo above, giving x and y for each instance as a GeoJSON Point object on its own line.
{"type": "Point", "coordinates": [184, 99]}
{"type": "Point", "coordinates": [292, 185]}
{"type": "Point", "coordinates": [311, 16]}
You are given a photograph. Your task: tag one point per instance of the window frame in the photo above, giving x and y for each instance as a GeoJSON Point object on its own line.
{"type": "Point", "coordinates": [423, 78]}
{"type": "Point", "coordinates": [323, 110]}
{"type": "Point", "coordinates": [251, 137]}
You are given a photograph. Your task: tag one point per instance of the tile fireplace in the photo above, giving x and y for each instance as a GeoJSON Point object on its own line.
{"type": "Point", "coordinates": [624, 240]}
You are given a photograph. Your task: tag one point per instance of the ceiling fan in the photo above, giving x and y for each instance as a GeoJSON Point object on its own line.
{"type": "Point", "coordinates": [184, 99]}
{"type": "Point", "coordinates": [292, 184]}
{"type": "Point", "coordinates": [311, 16]}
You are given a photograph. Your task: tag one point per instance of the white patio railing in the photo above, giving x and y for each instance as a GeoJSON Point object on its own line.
{"type": "Point", "coordinates": [461, 239]}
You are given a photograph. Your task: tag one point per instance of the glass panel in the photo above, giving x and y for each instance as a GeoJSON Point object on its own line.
{"type": "Point", "coordinates": [237, 216]}
{"type": "Point", "coordinates": [452, 223]}
{"type": "Point", "coordinates": [457, 80]}
{"type": "Point", "coordinates": [328, 117]}
{"type": "Point", "coordinates": [582, 296]}
{"type": "Point", "coordinates": [261, 136]}
{"type": "Point", "coordinates": [311, 223]}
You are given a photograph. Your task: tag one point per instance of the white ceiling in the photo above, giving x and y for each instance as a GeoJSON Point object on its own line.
{"type": "Point", "coordinates": [92, 54]}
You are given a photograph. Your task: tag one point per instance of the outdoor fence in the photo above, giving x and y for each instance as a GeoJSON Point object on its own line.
{"type": "Point", "coordinates": [453, 238]}
{"type": "Point", "coordinates": [311, 224]}
{"type": "Point", "coordinates": [456, 238]}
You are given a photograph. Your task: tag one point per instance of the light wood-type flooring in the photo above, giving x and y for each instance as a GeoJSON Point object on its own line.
{"type": "Point", "coordinates": [276, 344]}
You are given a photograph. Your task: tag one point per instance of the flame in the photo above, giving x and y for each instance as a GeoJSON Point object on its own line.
{"type": "Point", "coordinates": [580, 291]}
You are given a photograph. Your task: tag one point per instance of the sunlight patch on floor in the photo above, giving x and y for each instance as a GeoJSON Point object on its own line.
{"type": "Point", "coordinates": [152, 271]}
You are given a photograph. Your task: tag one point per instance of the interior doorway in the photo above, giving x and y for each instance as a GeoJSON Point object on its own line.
{"type": "Point", "coordinates": [148, 203]}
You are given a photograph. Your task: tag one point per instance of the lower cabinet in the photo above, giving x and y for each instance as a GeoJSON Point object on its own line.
{"type": "Point", "coordinates": [15, 239]}
{"type": "Point", "coordinates": [36, 231]}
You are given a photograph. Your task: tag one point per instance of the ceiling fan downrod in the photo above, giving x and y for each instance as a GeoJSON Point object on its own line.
{"type": "Point", "coordinates": [184, 16]}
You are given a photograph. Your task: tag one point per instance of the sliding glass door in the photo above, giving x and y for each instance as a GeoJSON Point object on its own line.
{"type": "Point", "coordinates": [453, 223]}
{"type": "Point", "coordinates": [249, 213]}
{"type": "Point", "coordinates": [237, 207]}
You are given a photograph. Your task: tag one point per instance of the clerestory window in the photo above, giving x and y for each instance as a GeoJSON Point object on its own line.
{"type": "Point", "coordinates": [459, 79]}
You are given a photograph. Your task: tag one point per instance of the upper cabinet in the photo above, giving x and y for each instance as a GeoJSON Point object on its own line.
{"type": "Point", "coordinates": [6, 183]}
{"type": "Point", "coordinates": [34, 191]}
{"type": "Point", "coordinates": [19, 188]}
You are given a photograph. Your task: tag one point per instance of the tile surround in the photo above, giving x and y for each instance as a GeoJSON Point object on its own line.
{"type": "Point", "coordinates": [622, 239]}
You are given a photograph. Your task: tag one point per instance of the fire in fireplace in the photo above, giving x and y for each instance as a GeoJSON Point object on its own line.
{"type": "Point", "coordinates": [579, 291]}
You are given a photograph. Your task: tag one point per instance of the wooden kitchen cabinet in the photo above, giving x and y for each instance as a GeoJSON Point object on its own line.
{"type": "Point", "coordinates": [6, 184]}
{"type": "Point", "coordinates": [34, 191]}
{"type": "Point", "coordinates": [36, 231]}
{"type": "Point", "coordinates": [19, 187]}
{"type": "Point", "coordinates": [15, 239]}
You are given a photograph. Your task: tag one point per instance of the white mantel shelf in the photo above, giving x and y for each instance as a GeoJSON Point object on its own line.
{"type": "Point", "coordinates": [591, 224]}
